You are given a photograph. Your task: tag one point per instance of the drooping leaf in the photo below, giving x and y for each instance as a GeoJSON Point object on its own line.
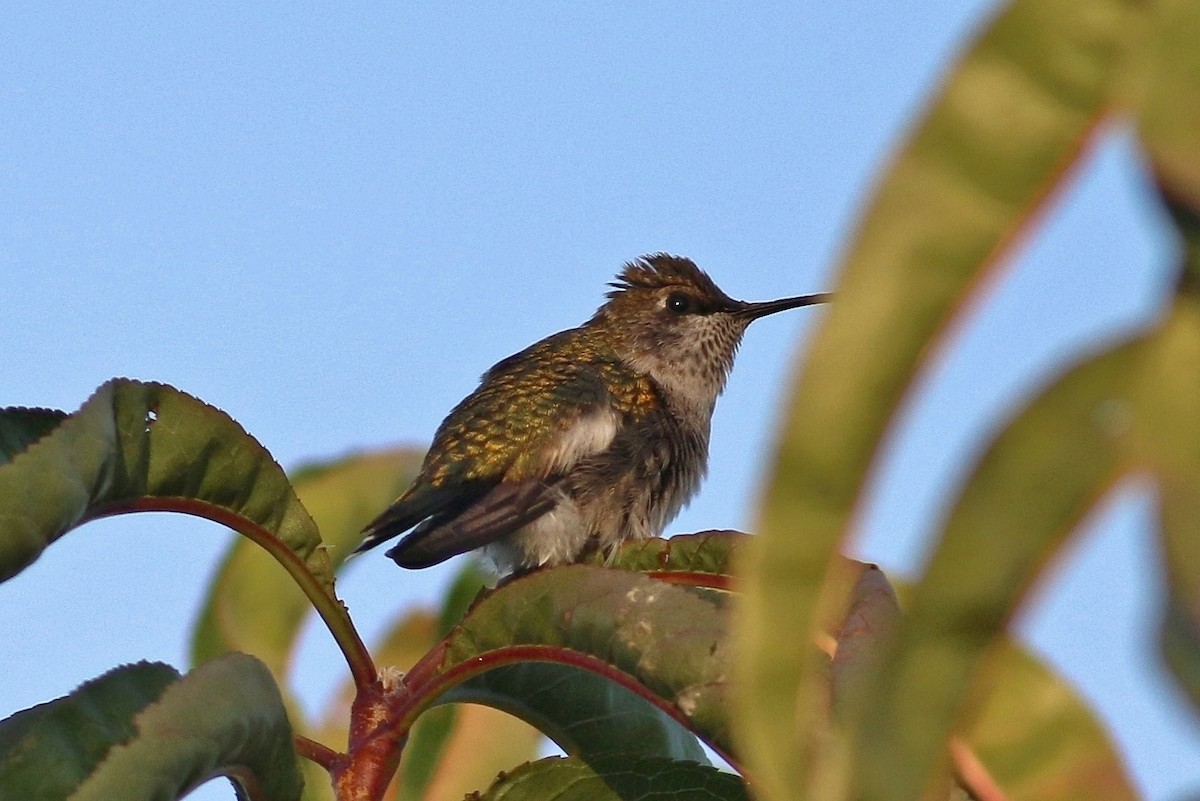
{"type": "Point", "coordinates": [48, 750]}
{"type": "Point", "coordinates": [1035, 482]}
{"type": "Point", "coordinates": [21, 427]}
{"type": "Point", "coordinates": [662, 642]}
{"type": "Point", "coordinates": [627, 779]}
{"type": "Point", "coordinates": [1012, 116]}
{"type": "Point", "coordinates": [224, 718]}
{"type": "Point", "coordinates": [148, 446]}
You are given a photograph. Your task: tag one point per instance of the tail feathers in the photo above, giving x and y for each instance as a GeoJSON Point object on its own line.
{"type": "Point", "coordinates": [376, 534]}
{"type": "Point", "coordinates": [410, 509]}
{"type": "Point", "coordinates": [505, 508]}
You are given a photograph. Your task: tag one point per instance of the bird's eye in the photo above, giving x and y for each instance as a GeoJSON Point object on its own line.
{"type": "Point", "coordinates": [679, 303]}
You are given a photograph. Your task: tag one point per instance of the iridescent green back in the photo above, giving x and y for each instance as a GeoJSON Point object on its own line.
{"type": "Point", "coordinates": [526, 401]}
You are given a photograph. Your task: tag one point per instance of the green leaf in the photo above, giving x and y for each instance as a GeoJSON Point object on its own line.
{"type": "Point", "coordinates": [1040, 476]}
{"type": "Point", "coordinates": [1012, 117]}
{"type": "Point", "coordinates": [704, 558]}
{"type": "Point", "coordinates": [1037, 739]}
{"type": "Point", "coordinates": [1168, 439]}
{"type": "Point", "coordinates": [47, 751]}
{"type": "Point", "coordinates": [585, 714]}
{"type": "Point", "coordinates": [630, 778]}
{"type": "Point", "coordinates": [664, 642]}
{"type": "Point", "coordinates": [254, 607]}
{"type": "Point", "coordinates": [224, 718]}
{"type": "Point", "coordinates": [141, 732]}
{"type": "Point", "coordinates": [147, 446]}
{"type": "Point", "coordinates": [20, 428]}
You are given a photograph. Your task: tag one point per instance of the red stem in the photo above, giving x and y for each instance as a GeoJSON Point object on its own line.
{"type": "Point", "coordinates": [316, 752]}
{"type": "Point", "coordinates": [972, 774]}
{"type": "Point", "coordinates": [686, 578]}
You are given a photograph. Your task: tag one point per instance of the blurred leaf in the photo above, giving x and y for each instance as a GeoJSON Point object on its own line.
{"type": "Point", "coordinates": [1036, 480]}
{"type": "Point", "coordinates": [224, 718]}
{"type": "Point", "coordinates": [630, 778]}
{"type": "Point", "coordinates": [1180, 642]}
{"type": "Point", "coordinates": [48, 750]}
{"type": "Point", "coordinates": [483, 742]}
{"type": "Point", "coordinates": [1011, 118]}
{"type": "Point", "coordinates": [870, 618]}
{"type": "Point", "coordinates": [21, 427]}
{"type": "Point", "coordinates": [1170, 128]}
{"type": "Point", "coordinates": [1168, 428]}
{"type": "Point", "coordinates": [133, 442]}
{"type": "Point", "coordinates": [468, 584]}
{"type": "Point", "coordinates": [1169, 100]}
{"type": "Point", "coordinates": [343, 495]}
{"type": "Point", "coordinates": [1037, 737]}
{"type": "Point", "coordinates": [254, 607]}
{"type": "Point", "coordinates": [662, 641]}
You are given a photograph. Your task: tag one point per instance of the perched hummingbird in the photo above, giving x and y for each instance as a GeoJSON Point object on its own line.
{"type": "Point", "coordinates": [593, 436]}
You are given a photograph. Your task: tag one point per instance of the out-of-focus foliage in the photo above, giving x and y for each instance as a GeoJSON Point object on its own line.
{"type": "Point", "coordinates": [1011, 118]}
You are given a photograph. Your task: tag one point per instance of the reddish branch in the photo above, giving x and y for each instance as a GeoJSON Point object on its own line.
{"type": "Point", "coordinates": [331, 610]}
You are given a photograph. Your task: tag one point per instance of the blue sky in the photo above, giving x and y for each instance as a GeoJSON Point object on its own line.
{"type": "Point", "coordinates": [328, 220]}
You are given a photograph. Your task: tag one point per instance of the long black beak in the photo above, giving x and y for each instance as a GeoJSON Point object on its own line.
{"type": "Point", "coordinates": [752, 311]}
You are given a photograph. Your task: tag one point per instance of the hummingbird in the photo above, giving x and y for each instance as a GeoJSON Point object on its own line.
{"type": "Point", "coordinates": [590, 437]}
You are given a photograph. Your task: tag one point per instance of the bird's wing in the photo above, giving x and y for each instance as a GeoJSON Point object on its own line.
{"type": "Point", "coordinates": [505, 463]}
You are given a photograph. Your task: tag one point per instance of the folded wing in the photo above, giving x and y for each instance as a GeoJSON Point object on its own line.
{"type": "Point", "coordinates": [487, 475]}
